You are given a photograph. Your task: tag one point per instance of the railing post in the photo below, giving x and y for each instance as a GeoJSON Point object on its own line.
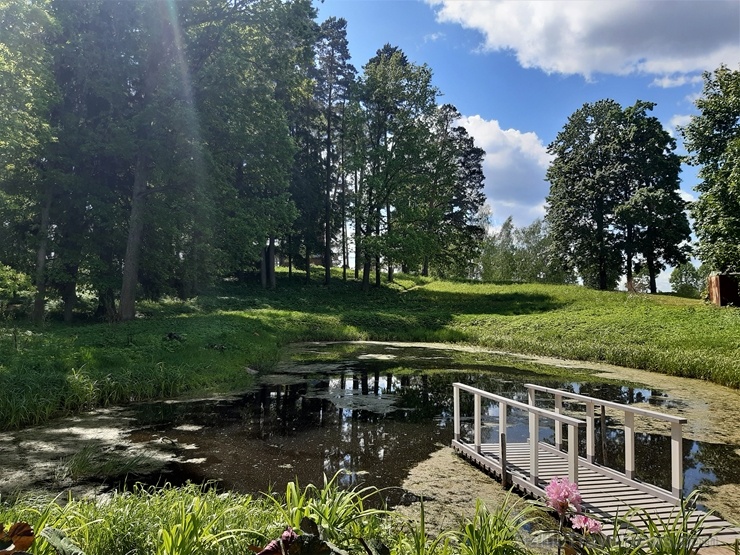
{"type": "Point", "coordinates": [629, 444]}
{"type": "Point", "coordinates": [502, 420]}
{"type": "Point", "coordinates": [676, 460]}
{"type": "Point", "coordinates": [456, 411]}
{"type": "Point", "coordinates": [590, 432]}
{"type": "Point", "coordinates": [534, 439]}
{"type": "Point", "coordinates": [558, 425]}
{"type": "Point", "coordinates": [502, 454]}
{"type": "Point", "coordinates": [477, 422]}
{"type": "Point", "coordinates": [572, 453]}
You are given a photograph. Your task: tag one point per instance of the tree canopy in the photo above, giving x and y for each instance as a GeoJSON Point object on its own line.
{"type": "Point", "coordinates": [152, 148]}
{"type": "Point", "coordinates": [614, 201]}
{"type": "Point", "coordinates": [713, 140]}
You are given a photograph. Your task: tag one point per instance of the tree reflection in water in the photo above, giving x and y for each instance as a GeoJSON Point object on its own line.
{"type": "Point", "coordinates": [380, 411]}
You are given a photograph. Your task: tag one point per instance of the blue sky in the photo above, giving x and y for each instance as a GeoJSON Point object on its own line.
{"type": "Point", "coordinates": [516, 69]}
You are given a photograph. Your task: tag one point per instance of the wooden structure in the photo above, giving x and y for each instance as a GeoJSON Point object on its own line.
{"type": "Point", "coordinates": [723, 289]}
{"type": "Point", "coordinates": [529, 466]}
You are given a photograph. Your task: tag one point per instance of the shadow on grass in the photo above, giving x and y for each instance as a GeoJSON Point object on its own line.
{"type": "Point", "coordinates": [393, 311]}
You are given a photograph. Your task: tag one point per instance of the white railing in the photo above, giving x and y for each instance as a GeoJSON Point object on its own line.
{"type": "Point", "coordinates": [535, 413]}
{"type": "Point", "coordinates": [676, 422]}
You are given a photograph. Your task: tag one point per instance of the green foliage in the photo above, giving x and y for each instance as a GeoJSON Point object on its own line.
{"type": "Point", "coordinates": [60, 542]}
{"type": "Point", "coordinates": [415, 540]}
{"type": "Point", "coordinates": [679, 534]}
{"type": "Point", "coordinates": [497, 532]}
{"type": "Point", "coordinates": [196, 519]}
{"type": "Point", "coordinates": [182, 348]}
{"type": "Point", "coordinates": [521, 255]}
{"type": "Point", "coordinates": [689, 281]}
{"type": "Point", "coordinates": [713, 140]}
{"type": "Point", "coordinates": [15, 292]}
{"type": "Point", "coordinates": [339, 513]}
{"type": "Point", "coordinates": [614, 194]}
{"type": "Point", "coordinates": [640, 532]}
{"type": "Point", "coordinates": [91, 462]}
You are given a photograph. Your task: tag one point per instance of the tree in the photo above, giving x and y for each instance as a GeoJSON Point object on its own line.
{"type": "Point", "coordinates": [397, 97]}
{"type": "Point", "coordinates": [614, 194]}
{"type": "Point", "coordinates": [521, 255]}
{"type": "Point", "coordinates": [650, 213]}
{"type": "Point", "coordinates": [584, 192]}
{"type": "Point", "coordinates": [26, 81]}
{"type": "Point", "coordinates": [689, 281]}
{"type": "Point", "coordinates": [499, 253]}
{"type": "Point", "coordinates": [335, 78]}
{"type": "Point", "coordinates": [436, 209]}
{"type": "Point", "coordinates": [713, 140]}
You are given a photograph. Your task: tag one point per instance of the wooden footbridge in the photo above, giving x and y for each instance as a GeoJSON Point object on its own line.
{"type": "Point", "coordinates": [529, 466]}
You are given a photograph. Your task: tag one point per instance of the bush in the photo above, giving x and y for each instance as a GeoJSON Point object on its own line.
{"type": "Point", "coordinates": [16, 293]}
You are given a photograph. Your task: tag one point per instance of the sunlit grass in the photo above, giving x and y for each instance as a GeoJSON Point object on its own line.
{"type": "Point", "coordinates": [210, 343]}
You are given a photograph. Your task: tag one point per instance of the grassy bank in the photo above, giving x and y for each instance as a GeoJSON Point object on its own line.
{"type": "Point", "coordinates": [214, 342]}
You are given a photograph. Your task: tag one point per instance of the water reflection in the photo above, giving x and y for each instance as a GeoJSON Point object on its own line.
{"type": "Point", "coordinates": [379, 411]}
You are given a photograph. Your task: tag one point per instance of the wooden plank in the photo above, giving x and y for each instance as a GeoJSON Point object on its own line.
{"type": "Point", "coordinates": [602, 495]}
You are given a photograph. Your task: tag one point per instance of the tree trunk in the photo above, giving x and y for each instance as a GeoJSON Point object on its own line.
{"type": "Point", "coordinates": [366, 273]}
{"type": "Point", "coordinates": [425, 267]}
{"type": "Point", "coordinates": [290, 256]}
{"type": "Point", "coordinates": [377, 256]}
{"type": "Point", "coordinates": [127, 306]}
{"type": "Point", "coordinates": [263, 268]}
{"type": "Point", "coordinates": [602, 246]}
{"type": "Point", "coordinates": [327, 194]}
{"type": "Point", "coordinates": [69, 296]}
{"type": "Point", "coordinates": [389, 261]}
{"type": "Point", "coordinates": [107, 305]}
{"type": "Point", "coordinates": [69, 291]}
{"type": "Point", "coordinates": [271, 264]}
{"type": "Point", "coordinates": [308, 264]}
{"type": "Point", "coordinates": [345, 260]}
{"type": "Point", "coordinates": [358, 227]}
{"type": "Point", "coordinates": [39, 302]}
{"type": "Point", "coordinates": [652, 272]}
{"type": "Point", "coordinates": [630, 278]}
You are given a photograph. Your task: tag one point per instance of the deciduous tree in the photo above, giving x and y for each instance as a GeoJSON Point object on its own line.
{"type": "Point", "coordinates": [713, 140]}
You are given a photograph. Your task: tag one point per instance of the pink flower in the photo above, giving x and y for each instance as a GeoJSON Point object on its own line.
{"type": "Point", "coordinates": [563, 496]}
{"type": "Point", "coordinates": [587, 524]}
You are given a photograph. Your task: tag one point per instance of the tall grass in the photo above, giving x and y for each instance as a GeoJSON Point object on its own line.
{"type": "Point", "coordinates": [180, 348]}
{"type": "Point", "coordinates": [191, 520]}
{"type": "Point", "coordinates": [194, 520]}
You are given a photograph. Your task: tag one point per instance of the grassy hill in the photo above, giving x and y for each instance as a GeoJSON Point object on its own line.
{"type": "Point", "coordinates": [205, 344]}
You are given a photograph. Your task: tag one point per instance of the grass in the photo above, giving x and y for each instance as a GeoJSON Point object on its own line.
{"type": "Point", "coordinates": [208, 344]}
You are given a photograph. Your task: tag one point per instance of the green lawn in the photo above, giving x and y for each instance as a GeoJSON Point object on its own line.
{"type": "Point", "coordinates": [206, 344]}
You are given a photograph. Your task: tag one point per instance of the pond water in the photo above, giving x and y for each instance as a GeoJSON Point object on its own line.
{"type": "Point", "coordinates": [377, 410]}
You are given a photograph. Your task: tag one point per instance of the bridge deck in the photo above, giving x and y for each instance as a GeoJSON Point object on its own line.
{"type": "Point", "coordinates": [603, 496]}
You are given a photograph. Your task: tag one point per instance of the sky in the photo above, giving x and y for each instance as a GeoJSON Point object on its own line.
{"type": "Point", "coordinates": [517, 69]}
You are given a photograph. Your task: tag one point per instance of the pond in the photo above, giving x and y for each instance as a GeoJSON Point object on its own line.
{"type": "Point", "coordinates": [377, 410]}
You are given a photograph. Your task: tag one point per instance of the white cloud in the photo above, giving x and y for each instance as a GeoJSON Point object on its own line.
{"type": "Point", "coordinates": [433, 37]}
{"type": "Point", "coordinates": [686, 196]}
{"type": "Point", "coordinates": [514, 166]}
{"type": "Point", "coordinates": [678, 120]}
{"type": "Point", "coordinates": [665, 38]}
{"type": "Point", "coordinates": [669, 81]}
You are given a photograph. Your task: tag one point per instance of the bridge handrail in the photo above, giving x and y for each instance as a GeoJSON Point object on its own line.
{"type": "Point", "coordinates": [565, 419]}
{"type": "Point", "coordinates": [676, 422]}
{"type": "Point", "coordinates": [534, 415]}
{"type": "Point", "coordinates": [611, 404]}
